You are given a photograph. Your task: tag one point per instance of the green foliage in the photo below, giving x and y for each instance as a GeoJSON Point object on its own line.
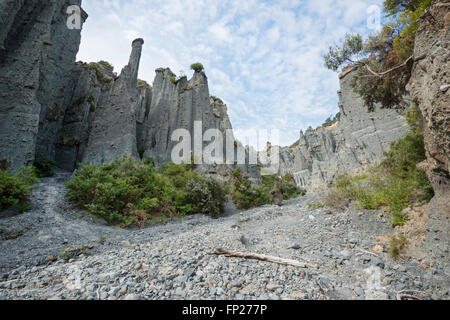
{"type": "Point", "coordinates": [285, 184]}
{"type": "Point", "coordinates": [206, 196]}
{"type": "Point", "coordinates": [100, 76]}
{"type": "Point", "coordinates": [141, 83]}
{"type": "Point", "coordinates": [386, 51]}
{"type": "Point", "coordinates": [246, 196]}
{"type": "Point", "coordinates": [395, 183]}
{"type": "Point", "coordinates": [397, 244]}
{"type": "Point", "coordinates": [343, 54]}
{"type": "Point", "coordinates": [16, 188]}
{"type": "Point", "coordinates": [141, 150]}
{"type": "Point", "coordinates": [106, 65]}
{"type": "Point", "coordinates": [131, 192]}
{"type": "Point", "coordinates": [44, 167]}
{"type": "Point", "coordinates": [197, 67]}
{"type": "Point", "coordinates": [393, 7]}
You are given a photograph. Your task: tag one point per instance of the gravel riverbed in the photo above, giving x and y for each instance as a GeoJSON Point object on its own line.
{"type": "Point", "coordinates": [174, 261]}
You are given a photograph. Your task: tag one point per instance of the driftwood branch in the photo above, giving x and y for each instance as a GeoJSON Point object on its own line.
{"type": "Point", "coordinates": [401, 295]}
{"type": "Point", "coordinates": [367, 252]}
{"type": "Point", "coordinates": [262, 257]}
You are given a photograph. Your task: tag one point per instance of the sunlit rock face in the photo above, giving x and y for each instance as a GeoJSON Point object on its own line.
{"type": "Point", "coordinates": [430, 92]}
{"type": "Point", "coordinates": [356, 141]}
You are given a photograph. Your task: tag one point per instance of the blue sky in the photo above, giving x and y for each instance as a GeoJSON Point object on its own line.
{"type": "Point", "coordinates": [263, 58]}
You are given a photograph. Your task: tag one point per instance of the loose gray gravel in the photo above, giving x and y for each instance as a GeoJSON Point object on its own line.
{"type": "Point", "coordinates": [173, 260]}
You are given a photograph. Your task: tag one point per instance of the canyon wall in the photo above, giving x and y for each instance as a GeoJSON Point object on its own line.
{"type": "Point", "coordinates": [356, 141]}
{"type": "Point", "coordinates": [430, 92]}
{"type": "Point", "coordinates": [37, 53]}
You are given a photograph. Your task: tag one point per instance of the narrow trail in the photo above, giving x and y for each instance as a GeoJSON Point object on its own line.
{"type": "Point", "coordinates": [172, 260]}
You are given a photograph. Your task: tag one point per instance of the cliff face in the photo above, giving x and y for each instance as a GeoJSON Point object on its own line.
{"type": "Point", "coordinates": [430, 91]}
{"type": "Point", "coordinates": [85, 113]}
{"type": "Point", "coordinates": [357, 140]}
{"type": "Point", "coordinates": [171, 106]}
{"type": "Point", "coordinates": [37, 52]}
{"type": "Point", "coordinates": [113, 132]}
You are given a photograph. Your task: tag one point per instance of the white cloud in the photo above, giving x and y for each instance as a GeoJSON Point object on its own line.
{"type": "Point", "coordinates": [262, 58]}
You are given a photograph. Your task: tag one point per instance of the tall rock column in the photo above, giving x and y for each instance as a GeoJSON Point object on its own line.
{"type": "Point", "coordinates": [430, 91]}
{"type": "Point", "coordinates": [28, 29]}
{"type": "Point", "coordinates": [113, 132]}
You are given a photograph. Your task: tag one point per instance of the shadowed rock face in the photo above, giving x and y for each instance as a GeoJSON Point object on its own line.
{"type": "Point", "coordinates": [37, 52]}
{"type": "Point", "coordinates": [113, 132]}
{"type": "Point", "coordinates": [177, 106]}
{"type": "Point", "coordinates": [358, 140]}
{"type": "Point", "coordinates": [430, 91]}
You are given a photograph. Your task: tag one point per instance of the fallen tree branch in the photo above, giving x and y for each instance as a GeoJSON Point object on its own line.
{"type": "Point", "coordinates": [382, 74]}
{"type": "Point", "coordinates": [262, 257]}
{"type": "Point", "coordinates": [401, 295]}
{"type": "Point", "coordinates": [367, 252]}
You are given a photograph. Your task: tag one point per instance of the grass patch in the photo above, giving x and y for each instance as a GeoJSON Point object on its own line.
{"type": "Point", "coordinates": [73, 252]}
{"type": "Point", "coordinates": [397, 244]}
{"type": "Point", "coordinates": [6, 234]}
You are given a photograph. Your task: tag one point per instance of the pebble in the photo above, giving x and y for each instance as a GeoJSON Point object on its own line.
{"type": "Point", "coordinates": [444, 87]}
{"type": "Point", "coordinates": [133, 297]}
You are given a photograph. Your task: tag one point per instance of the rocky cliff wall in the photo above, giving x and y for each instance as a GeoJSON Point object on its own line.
{"type": "Point", "coordinates": [113, 132]}
{"type": "Point", "coordinates": [85, 113]}
{"type": "Point", "coordinates": [356, 141]}
{"type": "Point", "coordinates": [430, 91]}
{"type": "Point", "coordinates": [37, 52]}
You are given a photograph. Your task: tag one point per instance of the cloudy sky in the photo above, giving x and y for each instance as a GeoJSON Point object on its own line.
{"type": "Point", "coordinates": [263, 58]}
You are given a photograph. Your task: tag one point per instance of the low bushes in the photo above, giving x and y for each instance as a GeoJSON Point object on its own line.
{"type": "Point", "coordinates": [246, 196]}
{"type": "Point", "coordinates": [44, 167]}
{"type": "Point", "coordinates": [197, 67]}
{"type": "Point", "coordinates": [131, 192]}
{"type": "Point", "coordinates": [15, 189]}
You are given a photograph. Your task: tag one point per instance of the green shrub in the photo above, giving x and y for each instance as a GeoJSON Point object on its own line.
{"type": "Point", "coordinates": [205, 196]}
{"type": "Point", "coordinates": [131, 192]}
{"type": "Point", "coordinates": [44, 167]}
{"type": "Point", "coordinates": [197, 67]}
{"type": "Point", "coordinates": [397, 244]}
{"type": "Point", "coordinates": [106, 65]}
{"type": "Point", "coordinates": [141, 83]}
{"type": "Point", "coordinates": [388, 53]}
{"type": "Point", "coordinates": [244, 195]}
{"type": "Point", "coordinates": [285, 184]}
{"type": "Point", "coordinates": [141, 150]}
{"type": "Point", "coordinates": [15, 189]}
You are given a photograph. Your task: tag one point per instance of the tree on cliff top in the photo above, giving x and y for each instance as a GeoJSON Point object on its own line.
{"type": "Point", "coordinates": [197, 67]}
{"type": "Point", "coordinates": [384, 60]}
